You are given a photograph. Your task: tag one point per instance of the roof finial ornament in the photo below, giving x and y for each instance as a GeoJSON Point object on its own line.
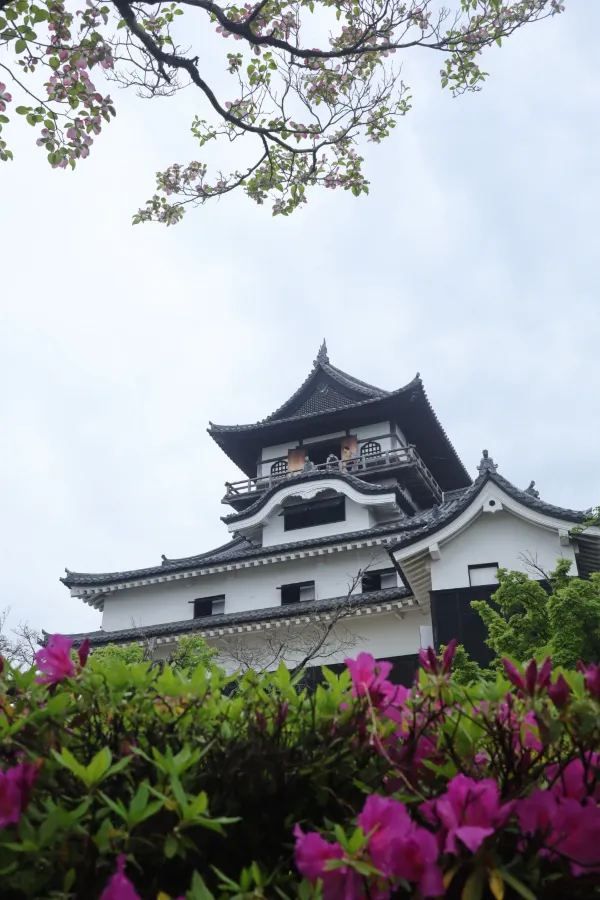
{"type": "Point", "coordinates": [532, 490]}
{"type": "Point", "coordinates": [487, 464]}
{"type": "Point", "coordinates": [322, 356]}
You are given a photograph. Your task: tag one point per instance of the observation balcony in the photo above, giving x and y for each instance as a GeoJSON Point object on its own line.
{"type": "Point", "coordinates": [388, 464]}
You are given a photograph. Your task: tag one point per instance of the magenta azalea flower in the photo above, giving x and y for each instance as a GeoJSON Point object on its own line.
{"type": "Point", "coordinates": [384, 819]}
{"type": "Point", "coordinates": [398, 847]}
{"type": "Point", "coordinates": [533, 680]}
{"type": "Point", "coordinates": [559, 692]}
{"type": "Point", "coordinates": [15, 788]}
{"type": "Point", "coordinates": [591, 677]}
{"type": "Point", "coordinates": [576, 781]}
{"type": "Point", "coordinates": [433, 664]}
{"type": "Point", "coordinates": [119, 886]}
{"type": "Point", "coordinates": [469, 812]}
{"type": "Point", "coordinates": [567, 828]}
{"type": "Point", "coordinates": [369, 678]}
{"type": "Point", "coordinates": [83, 651]}
{"type": "Point", "coordinates": [313, 857]}
{"type": "Point", "coordinates": [524, 728]}
{"type": "Point", "coordinates": [54, 660]}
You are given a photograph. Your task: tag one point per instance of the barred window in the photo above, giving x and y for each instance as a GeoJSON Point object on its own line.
{"type": "Point", "coordinates": [279, 468]}
{"type": "Point", "coordinates": [371, 448]}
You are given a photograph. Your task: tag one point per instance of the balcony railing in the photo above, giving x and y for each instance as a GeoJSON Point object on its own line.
{"type": "Point", "coordinates": [356, 465]}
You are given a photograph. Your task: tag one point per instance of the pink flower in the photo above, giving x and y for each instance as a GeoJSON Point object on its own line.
{"type": "Point", "coordinates": [119, 887]}
{"type": "Point", "coordinates": [524, 728]}
{"type": "Point", "coordinates": [314, 856]}
{"type": "Point", "coordinates": [54, 660]}
{"type": "Point", "coordinates": [469, 812]}
{"type": "Point", "coordinates": [369, 678]}
{"type": "Point", "coordinates": [15, 788]}
{"type": "Point", "coordinates": [383, 819]}
{"type": "Point", "coordinates": [559, 692]}
{"type": "Point", "coordinates": [533, 680]}
{"type": "Point", "coordinates": [432, 663]}
{"type": "Point", "coordinates": [83, 651]}
{"type": "Point", "coordinates": [5, 97]}
{"type": "Point", "coordinates": [398, 847]}
{"type": "Point", "coordinates": [576, 780]}
{"type": "Point", "coordinates": [567, 828]}
{"type": "Point", "coordinates": [591, 677]}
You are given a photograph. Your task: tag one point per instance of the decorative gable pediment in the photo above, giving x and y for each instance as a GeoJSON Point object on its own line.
{"type": "Point", "coordinates": [322, 396]}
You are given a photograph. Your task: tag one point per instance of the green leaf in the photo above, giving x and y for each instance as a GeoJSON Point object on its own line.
{"type": "Point", "coordinates": [473, 889]}
{"type": "Point", "coordinates": [98, 767]}
{"type": "Point", "coordinates": [171, 846]}
{"type": "Point", "coordinates": [198, 889]}
{"type": "Point", "coordinates": [518, 886]}
{"type": "Point", "coordinates": [20, 46]}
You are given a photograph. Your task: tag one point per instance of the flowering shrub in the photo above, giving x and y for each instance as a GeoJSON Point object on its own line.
{"type": "Point", "coordinates": [121, 780]}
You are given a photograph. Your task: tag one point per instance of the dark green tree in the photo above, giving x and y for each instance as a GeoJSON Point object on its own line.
{"type": "Point", "coordinates": [526, 619]}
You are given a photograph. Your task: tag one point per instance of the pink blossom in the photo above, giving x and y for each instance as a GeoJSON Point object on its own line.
{"type": "Point", "coordinates": [83, 651]}
{"type": "Point", "coordinates": [383, 819]}
{"type": "Point", "coordinates": [469, 812]}
{"type": "Point", "coordinates": [119, 887]}
{"type": "Point", "coordinates": [10, 800]}
{"type": "Point", "coordinates": [559, 692]}
{"type": "Point", "coordinates": [369, 678]}
{"type": "Point", "coordinates": [5, 97]}
{"type": "Point", "coordinates": [567, 828]}
{"type": "Point", "coordinates": [523, 727]}
{"type": "Point", "coordinates": [591, 676]}
{"type": "Point", "coordinates": [398, 847]}
{"type": "Point", "coordinates": [15, 788]}
{"type": "Point", "coordinates": [314, 856]}
{"type": "Point", "coordinates": [432, 663]}
{"type": "Point", "coordinates": [533, 680]}
{"type": "Point", "coordinates": [54, 660]}
{"type": "Point", "coordinates": [576, 780]}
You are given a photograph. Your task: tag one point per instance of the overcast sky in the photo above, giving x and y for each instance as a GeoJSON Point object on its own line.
{"type": "Point", "coordinates": [474, 261]}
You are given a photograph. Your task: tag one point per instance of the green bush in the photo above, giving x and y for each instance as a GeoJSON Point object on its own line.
{"type": "Point", "coordinates": [124, 780]}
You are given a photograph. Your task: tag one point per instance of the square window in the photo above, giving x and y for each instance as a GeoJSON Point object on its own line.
{"type": "Point", "coordinates": [209, 606]}
{"type": "Point", "coordinates": [299, 592]}
{"type": "Point", "coordinates": [483, 573]}
{"type": "Point", "coordinates": [317, 512]}
{"type": "Point", "coordinates": [379, 579]}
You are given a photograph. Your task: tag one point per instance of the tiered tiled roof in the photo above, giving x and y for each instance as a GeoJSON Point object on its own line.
{"type": "Point", "coordinates": [329, 400]}
{"type": "Point", "coordinates": [402, 530]}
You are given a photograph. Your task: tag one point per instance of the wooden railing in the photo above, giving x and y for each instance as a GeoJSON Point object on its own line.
{"type": "Point", "coordinates": [357, 465]}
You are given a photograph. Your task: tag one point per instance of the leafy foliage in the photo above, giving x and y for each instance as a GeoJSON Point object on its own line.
{"type": "Point", "coordinates": [309, 80]}
{"type": "Point", "coordinates": [526, 620]}
{"type": "Point", "coordinates": [128, 780]}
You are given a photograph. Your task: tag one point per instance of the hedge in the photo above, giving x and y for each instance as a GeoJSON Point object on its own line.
{"type": "Point", "coordinates": [127, 780]}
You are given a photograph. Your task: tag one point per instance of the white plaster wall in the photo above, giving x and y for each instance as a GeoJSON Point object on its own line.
{"type": "Point", "coordinates": [399, 435]}
{"type": "Point", "coordinates": [499, 537]}
{"type": "Point", "coordinates": [244, 589]}
{"type": "Point", "coordinates": [366, 432]}
{"type": "Point", "coordinates": [357, 518]}
{"type": "Point", "coordinates": [383, 636]}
